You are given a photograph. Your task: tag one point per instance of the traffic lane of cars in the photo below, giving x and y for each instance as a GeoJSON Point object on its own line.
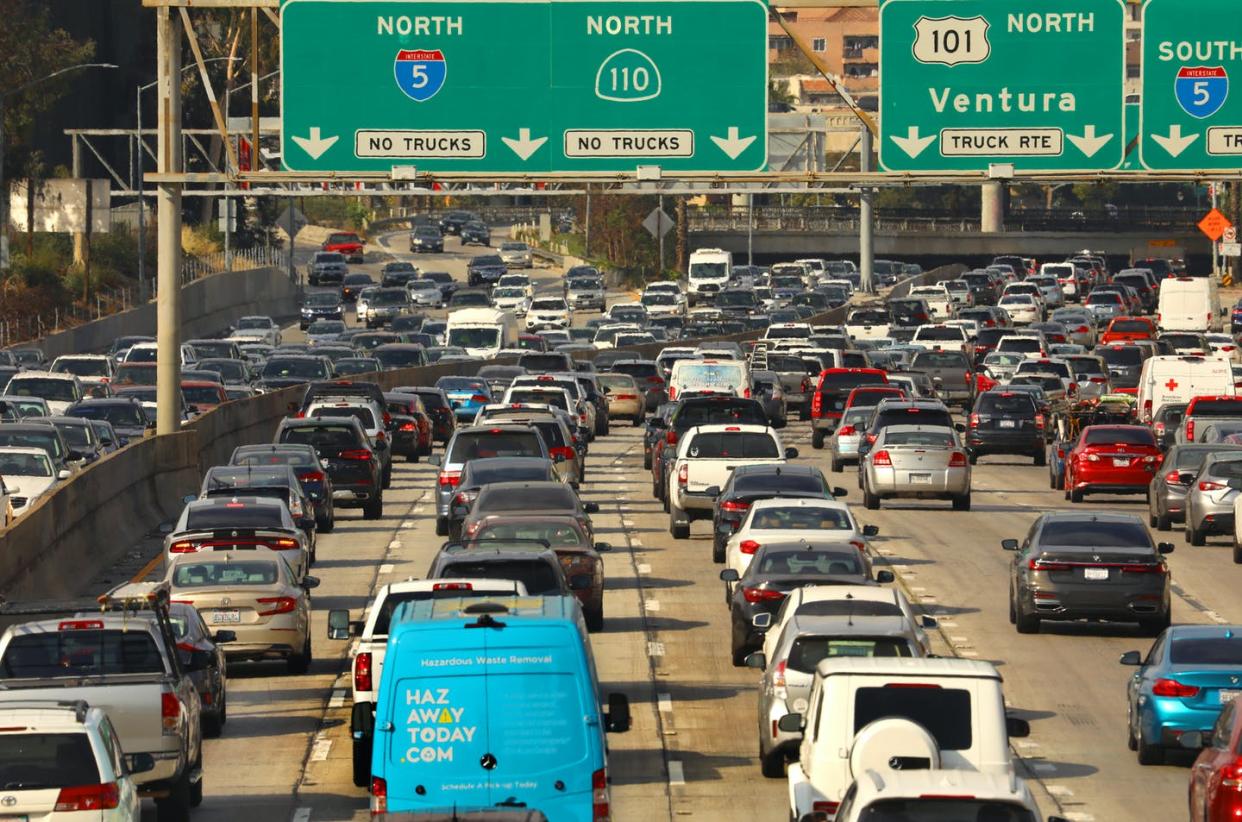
{"type": "Point", "coordinates": [1066, 680]}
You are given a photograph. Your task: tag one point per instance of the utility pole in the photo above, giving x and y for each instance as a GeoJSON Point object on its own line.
{"type": "Point", "coordinates": [866, 217]}
{"type": "Point", "coordinates": [750, 229]}
{"type": "Point", "coordinates": [660, 275]}
{"type": "Point", "coordinates": [168, 243]}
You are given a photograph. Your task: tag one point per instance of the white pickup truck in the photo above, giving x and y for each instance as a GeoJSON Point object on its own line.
{"type": "Point", "coordinates": [120, 658]}
{"type": "Point", "coordinates": [372, 633]}
{"type": "Point", "coordinates": [706, 456]}
{"type": "Point", "coordinates": [938, 299]}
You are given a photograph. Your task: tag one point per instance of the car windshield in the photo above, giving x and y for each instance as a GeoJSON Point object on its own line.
{"type": "Point", "coordinates": [1092, 533]}
{"type": "Point", "coordinates": [474, 337]}
{"type": "Point", "coordinates": [808, 651]}
{"type": "Point", "coordinates": [25, 465]}
{"type": "Point", "coordinates": [300, 368]}
{"type": "Point", "coordinates": [225, 574]}
{"type": "Point", "coordinates": [119, 414]}
{"type": "Point", "coordinates": [48, 389]}
{"type": "Point", "coordinates": [82, 367]}
{"type": "Point", "coordinates": [795, 563]}
{"type": "Point", "coordinates": [944, 809]}
{"type": "Point", "coordinates": [254, 323]}
{"type": "Point", "coordinates": [733, 445]}
{"type": "Point", "coordinates": [1133, 435]}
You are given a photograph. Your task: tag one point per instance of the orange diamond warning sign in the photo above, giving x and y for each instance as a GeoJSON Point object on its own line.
{"type": "Point", "coordinates": [1214, 224]}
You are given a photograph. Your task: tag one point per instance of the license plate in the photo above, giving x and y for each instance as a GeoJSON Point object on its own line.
{"type": "Point", "coordinates": [1095, 573]}
{"type": "Point", "coordinates": [1008, 423]}
{"type": "Point", "coordinates": [920, 479]}
{"type": "Point", "coordinates": [1228, 696]}
{"type": "Point", "coordinates": [1121, 462]}
{"type": "Point", "coordinates": [226, 617]}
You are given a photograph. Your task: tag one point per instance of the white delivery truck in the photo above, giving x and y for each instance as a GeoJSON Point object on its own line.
{"type": "Point", "coordinates": [1188, 304]}
{"type": "Point", "coordinates": [483, 332]}
{"type": "Point", "coordinates": [1179, 378]}
{"type": "Point", "coordinates": [709, 272]}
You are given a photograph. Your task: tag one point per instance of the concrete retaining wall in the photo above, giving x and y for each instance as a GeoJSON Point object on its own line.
{"type": "Point", "coordinates": [208, 305]}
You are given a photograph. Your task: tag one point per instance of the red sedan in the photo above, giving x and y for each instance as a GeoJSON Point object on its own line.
{"type": "Point", "coordinates": [345, 242]}
{"type": "Point", "coordinates": [1111, 459]}
{"type": "Point", "coordinates": [1216, 776]}
{"type": "Point", "coordinates": [1123, 329]}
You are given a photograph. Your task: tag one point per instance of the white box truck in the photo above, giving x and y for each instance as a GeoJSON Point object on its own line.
{"type": "Point", "coordinates": [483, 332]}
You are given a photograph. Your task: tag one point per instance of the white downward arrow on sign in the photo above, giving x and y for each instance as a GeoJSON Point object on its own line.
{"type": "Point", "coordinates": [524, 146]}
{"type": "Point", "coordinates": [912, 144]}
{"type": "Point", "coordinates": [1175, 143]}
{"type": "Point", "coordinates": [314, 145]}
{"type": "Point", "coordinates": [1088, 143]}
{"type": "Point", "coordinates": [732, 144]}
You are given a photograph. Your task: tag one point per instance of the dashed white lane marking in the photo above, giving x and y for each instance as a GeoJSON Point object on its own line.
{"type": "Point", "coordinates": [319, 751]}
{"type": "Point", "coordinates": [655, 649]}
{"type": "Point", "coordinates": [337, 700]}
{"type": "Point", "coordinates": [971, 654]}
{"type": "Point", "coordinates": [1027, 745]}
{"type": "Point", "coordinates": [917, 589]}
{"type": "Point", "coordinates": [1059, 791]}
{"type": "Point", "coordinates": [960, 638]}
{"type": "Point", "coordinates": [394, 545]}
{"type": "Point", "coordinates": [1078, 816]}
{"type": "Point", "coordinates": [628, 523]}
{"type": "Point", "coordinates": [947, 623]}
{"type": "Point", "coordinates": [1042, 767]}
{"type": "Point", "coordinates": [665, 703]}
{"type": "Point", "coordinates": [644, 568]}
{"type": "Point", "coordinates": [676, 773]}
{"type": "Point", "coordinates": [652, 604]}
{"type": "Point", "coordinates": [301, 815]}
{"type": "Point", "coordinates": [407, 524]}
{"type": "Point", "coordinates": [386, 568]}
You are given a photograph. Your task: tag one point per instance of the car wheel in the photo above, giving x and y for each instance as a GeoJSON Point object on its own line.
{"type": "Point", "coordinates": [639, 419]}
{"type": "Point", "coordinates": [836, 466]}
{"type": "Point", "coordinates": [1013, 611]}
{"type": "Point", "coordinates": [772, 764]}
{"type": "Point", "coordinates": [1024, 622]}
{"type": "Point", "coordinates": [647, 465]}
{"type": "Point", "coordinates": [1156, 625]}
{"type": "Point", "coordinates": [870, 500]}
{"type": "Point", "coordinates": [1237, 552]}
{"type": "Point", "coordinates": [1148, 754]}
{"type": "Point", "coordinates": [196, 788]}
{"type": "Point", "coordinates": [739, 649]}
{"type": "Point", "coordinates": [300, 663]}
{"type": "Point", "coordinates": [1194, 536]}
{"type": "Point", "coordinates": [441, 527]}
{"type": "Point", "coordinates": [374, 508]}
{"type": "Point", "coordinates": [679, 531]}
{"type": "Point", "coordinates": [387, 480]}
{"type": "Point", "coordinates": [326, 524]}
{"type": "Point", "coordinates": [1163, 522]}
{"type": "Point", "coordinates": [718, 551]}
{"type": "Point", "coordinates": [1041, 458]}
{"type": "Point", "coordinates": [1075, 495]}
{"type": "Point", "coordinates": [973, 457]}
{"type": "Point", "coordinates": [594, 618]}
{"type": "Point", "coordinates": [362, 762]}
{"type": "Point", "coordinates": [817, 439]}
{"type": "Point", "coordinates": [176, 806]}
{"type": "Point", "coordinates": [1151, 518]}
{"type": "Point", "coordinates": [962, 503]}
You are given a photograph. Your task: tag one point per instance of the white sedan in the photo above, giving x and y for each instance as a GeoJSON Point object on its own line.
{"type": "Point", "coordinates": [425, 292]}
{"type": "Point", "coordinates": [789, 520]}
{"type": "Point", "coordinates": [1023, 308]}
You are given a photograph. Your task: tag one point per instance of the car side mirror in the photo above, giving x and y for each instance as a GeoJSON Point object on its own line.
{"type": "Point", "coordinates": [1017, 728]}
{"type": "Point", "coordinates": [602, 547]}
{"type": "Point", "coordinates": [617, 719]}
{"type": "Point", "coordinates": [591, 507]}
{"type": "Point", "coordinates": [63, 474]}
{"type": "Point", "coordinates": [959, 428]}
{"type": "Point", "coordinates": [224, 636]}
{"type": "Point", "coordinates": [1131, 658]}
{"type": "Point", "coordinates": [192, 409]}
{"type": "Point", "coordinates": [885, 577]}
{"type": "Point", "coordinates": [757, 659]}
{"type": "Point", "coordinates": [1009, 544]}
{"type": "Point", "coordinates": [139, 763]}
{"type": "Point", "coordinates": [871, 530]}
{"type": "Point", "coordinates": [1165, 547]}
{"type": "Point", "coordinates": [712, 491]}
{"type": "Point", "coordinates": [435, 460]}
{"type": "Point", "coordinates": [790, 722]}
{"type": "Point", "coordinates": [1192, 740]}
{"type": "Point", "coordinates": [188, 498]}
{"type": "Point", "coordinates": [338, 624]}
{"type": "Point", "coordinates": [929, 622]}
{"type": "Point", "coordinates": [791, 453]}
{"type": "Point", "coordinates": [309, 582]}
{"type": "Point", "coordinates": [729, 575]}
{"type": "Point", "coordinates": [762, 620]}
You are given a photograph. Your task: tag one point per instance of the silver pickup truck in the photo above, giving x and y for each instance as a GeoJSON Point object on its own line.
{"type": "Point", "coordinates": [117, 653]}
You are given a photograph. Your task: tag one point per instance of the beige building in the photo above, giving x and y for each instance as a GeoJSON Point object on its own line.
{"type": "Point", "coordinates": [845, 39]}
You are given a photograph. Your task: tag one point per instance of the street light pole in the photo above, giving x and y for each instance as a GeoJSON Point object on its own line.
{"type": "Point", "coordinates": [4, 190]}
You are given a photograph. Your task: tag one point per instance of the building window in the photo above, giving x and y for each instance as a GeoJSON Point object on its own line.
{"type": "Point", "coordinates": [854, 45]}
{"type": "Point", "coordinates": [1132, 72]}
{"type": "Point", "coordinates": [862, 70]}
{"type": "Point", "coordinates": [779, 42]}
{"type": "Point", "coordinates": [819, 44]}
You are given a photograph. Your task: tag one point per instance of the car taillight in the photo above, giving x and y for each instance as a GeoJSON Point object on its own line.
{"type": "Point", "coordinates": [748, 546]}
{"type": "Point", "coordinates": [449, 479]}
{"type": "Point", "coordinates": [600, 811]}
{"type": "Point", "coordinates": [361, 455]}
{"type": "Point", "coordinates": [379, 795]}
{"type": "Point", "coordinates": [170, 713]}
{"type": "Point", "coordinates": [1171, 687]}
{"type": "Point", "coordinates": [846, 430]}
{"type": "Point", "coordinates": [881, 458]}
{"type": "Point", "coordinates": [746, 393]}
{"type": "Point", "coordinates": [280, 605]}
{"type": "Point", "coordinates": [562, 451]}
{"type": "Point", "coordinates": [88, 798]}
{"type": "Point", "coordinates": [671, 438]}
{"type": "Point", "coordinates": [1099, 380]}
{"type": "Point", "coordinates": [182, 547]}
{"type": "Point", "coordinates": [778, 675]}
{"type": "Point", "coordinates": [761, 594]}
{"type": "Point", "coordinates": [407, 426]}
{"type": "Point", "coordinates": [1039, 421]}
{"type": "Point", "coordinates": [824, 806]}
{"type": "Point", "coordinates": [1173, 476]}
{"type": "Point", "coordinates": [1045, 565]}
{"type": "Point", "coordinates": [283, 545]}
{"type": "Point", "coordinates": [958, 460]}
{"type": "Point", "coordinates": [734, 506]}
{"type": "Point", "coordinates": [311, 476]}
{"type": "Point", "coordinates": [1208, 485]}
{"type": "Point", "coordinates": [1190, 430]}
{"type": "Point", "coordinates": [683, 475]}
{"type": "Point", "coordinates": [1146, 568]}
{"type": "Point", "coordinates": [1231, 776]}
{"type": "Point", "coordinates": [817, 405]}
{"type": "Point", "coordinates": [362, 672]}
{"type": "Point", "coordinates": [479, 398]}
{"type": "Point", "coordinates": [974, 420]}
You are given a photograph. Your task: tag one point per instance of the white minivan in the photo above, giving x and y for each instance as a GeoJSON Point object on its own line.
{"type": "Point", "coordinates": [885, 714]}
{"type": "Point", "coordinates": [1188, 304]}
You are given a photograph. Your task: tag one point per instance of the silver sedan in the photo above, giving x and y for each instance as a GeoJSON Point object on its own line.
{"type": "Point", "coordinates": [919, 461]}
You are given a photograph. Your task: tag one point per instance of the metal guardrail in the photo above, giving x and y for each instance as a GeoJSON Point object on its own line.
{"type": "Point", "coordinates": [192, 268]}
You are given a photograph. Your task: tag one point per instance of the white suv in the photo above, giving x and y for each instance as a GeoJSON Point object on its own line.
{"type": "Point", "coordinates": [73, 749]}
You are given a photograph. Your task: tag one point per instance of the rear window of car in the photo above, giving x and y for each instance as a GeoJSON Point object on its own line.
{"type": "Point", "coordinates": [481, 445]}
{"type": "Point", "coordinates": [733, 445]}
{"type": "Point", "coordinates": [712, 375]}
{"type": "Point", "coordinates": [786, 363]}
{"type": "Point", "coordinates": [1227, 469]}
{"type": "Point", "coordinates": [930, 439]}
{"type": "Point", "coordinates": [937, 417]}
{"type": "Point", "coordinates": [801, 518]}
{"type": "Point", "coordinates": [808, 651]}
{"type": "Point", "coordinates": [234, 515]}
{"type": "Point", "coordinates": [941, 332]}
{"type": "Point", "coordinates": [87, 652]}
{"type": "Point", "coordinates": [748, 483]}
{"type": "Point", "coordinates": [1095, 534]}
{"type": "Point", "coordinates": [944, 712]}
{"type": "Point", "coordinates": [225, 574]}
{"type": "Point", "coordinates": [1121, 354]}
{"type": "Point", "coordinates": [1206, 651]}
{"type": "Point", "coordinates": [705, 413]}
{"type": "Point", "coordinates": [529, 499]}
{"type": "Point", "coordinates": [321, 436]}
{"type": "Point", "coordinates": [846, 380]}
{"type": "Point", "coordinates": [46, 760]}
{"type": "Point", "coordinates": [1120, 436]}
{"type": "Point", "coordinates": [1216, 408]}
{"type": "Point", "coordinates": [940, 359]}
{"type": "Point", "coordinates": [538, 576]}
{"type": "Point", "coordinates": [1007, 404]}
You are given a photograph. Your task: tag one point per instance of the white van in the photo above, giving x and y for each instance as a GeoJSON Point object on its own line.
{"type": "Point", "coordinates": [1188, 304]}
{"type": "Point", "coordinates": [481, 331]}
{"type": "Point", "coordinates": [885, 714]}
{"type": "Point", "coordinates": [715, 376]}
{"type": "Point", "coordinates": [1179, 378]}
{"type": "Point", "coordinates": [709, 271]}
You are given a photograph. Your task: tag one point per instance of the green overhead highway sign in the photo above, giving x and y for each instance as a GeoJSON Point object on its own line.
{"type": "Point", "coordinates": [491, 86]}
{"type": "Point", "coordinates": [1189, 120]}
{"type": "Point", "coordinates": [965, 84]}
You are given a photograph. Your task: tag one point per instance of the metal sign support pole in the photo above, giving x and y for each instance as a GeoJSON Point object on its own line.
{"type": "Point", "coordinates": [866, 217]}
{"type": "Point", "coordinates": [168, 241]}
{"type": "Point", "coordinates": [660, 232]}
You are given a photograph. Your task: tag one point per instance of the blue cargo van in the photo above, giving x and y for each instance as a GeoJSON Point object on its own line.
{"type": "Point", "coordinates": [492, 704]}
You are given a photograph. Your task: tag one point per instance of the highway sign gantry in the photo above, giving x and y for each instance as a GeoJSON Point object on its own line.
{"type": "Point", "coordinates": [496, 86]}
{"type": "Point", "coordinates": [965, 84]}
{"type": "Point", "coordinates": [1189, 120]}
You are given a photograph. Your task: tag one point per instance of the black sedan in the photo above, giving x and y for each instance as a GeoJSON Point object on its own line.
{"type": "Point", "coordinates": [438, 407]}
{"type": "Point", "coordinates": [202, 656]}
{"type": "Point", "coordinates": [748, 483]}
{"type": "Point", "coordinates": [476, 232]}
{"type": "Point", "coordinates": [485, 269]}
{"type": "Point", "coordinates": [779, 568]}
{"type": "Point", "coordinates": [480, 472]}
{"type": "Point", "coordinates": [427, 238]}
{"type": "Point", "coordinates": [305, 462]}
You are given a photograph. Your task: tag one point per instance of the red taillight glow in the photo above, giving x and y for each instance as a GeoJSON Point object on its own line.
{"type": "Point", "coordinates": [81, 625]}
{"type": "Point", "coordinates": [1173, 476]}
{"type": "Point", "coordinates": [182, 547]}
{"type": "Point", "coordinates": [453, 586]}
{"type": "Point", "coordinates": [748, 546]}
{"type": "Point", "coordinates": [312, 476]}
{"type": "Point", "coordinates": [379, 795]}
{"type": "Point", "coordinates": [824, 806]}
{"type": "Point", "coordinates": [1208, 485]}
{"type": "Point", "coordinates": [761, 594]}
{"type": "Point", "coordinates": [600, 810]}
{"type": "Point", "coordinates": [1190, 430]}
{"type": "Point", "coordinates": [449, 479]}
{"type": "Point", "coordinates": [734, 506]}
{"type": "Point", "coordinates": [170, 712]}
{"type": "Point", "coordinates": [958, 460]}
{"type": "Point", "coordinates": [1045, 565]}
{"type": "Point", "coordinates": [683, 475]}
{"type": "Point", "coordinates": [407, 426]}
{"type": "Point", "coordinates": [974, 420]}
{"type": "Point", "coordinates": [1171, 687]}
{"type": "Point", "coordinates": [846, 430]}
{"type": "Point", "coordinates": [360, 454]}
{"type": "Point", "coordinates": [881, 458]}
{"type": "Point", "coordinates": [562, 451]}
{"type": "Point", "coordinates": [671, 438]}
{"type": "Point", "coordinates": [88, 798]}
{"type": "Point", "coordinates": [817, 405]}
{"type": "Point", "coordinates": [362, 672]}
{"type": "Point", "coordinates": [280, 605]}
